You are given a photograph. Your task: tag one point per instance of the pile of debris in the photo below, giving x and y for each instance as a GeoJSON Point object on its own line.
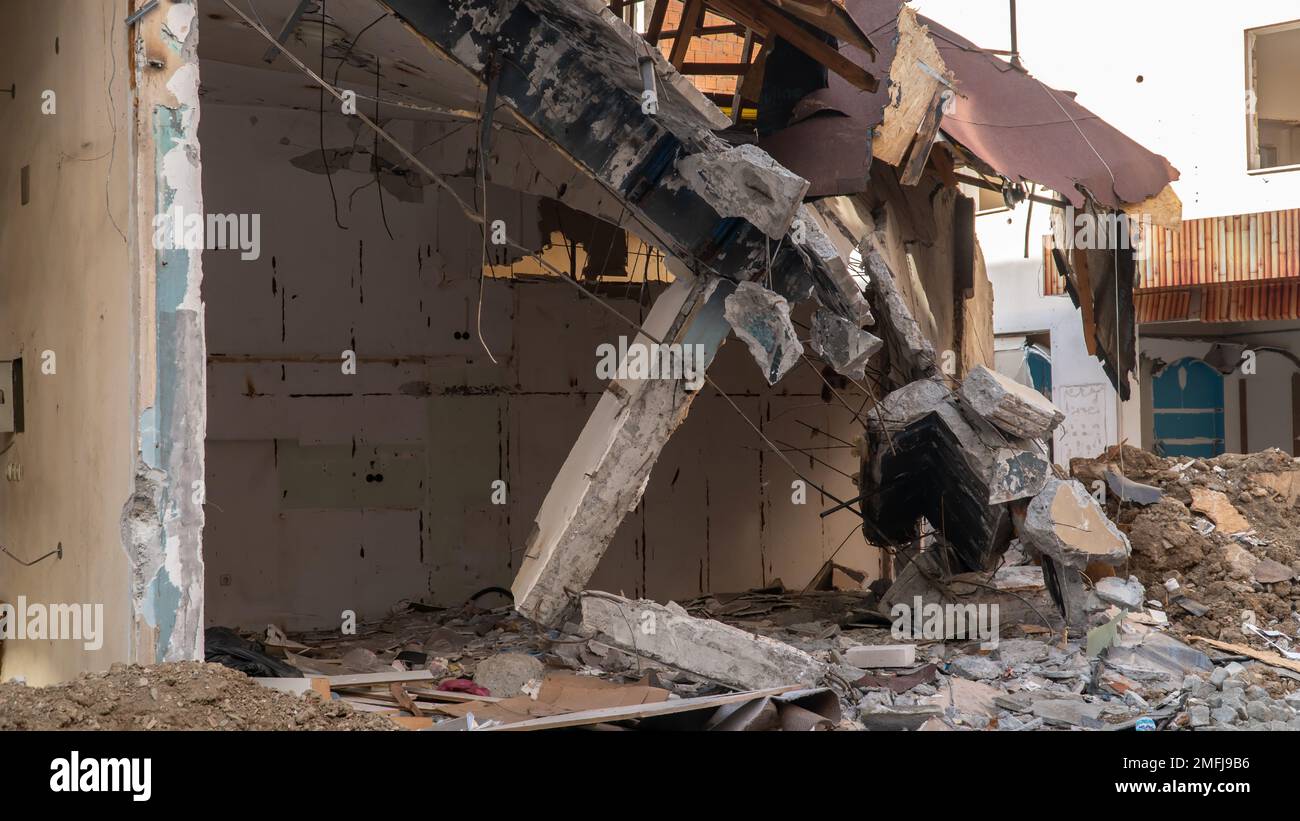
{"type": "Point", "coordinates": [1215, 541]}
{"type": "Point", "coordinates": [174, 696]}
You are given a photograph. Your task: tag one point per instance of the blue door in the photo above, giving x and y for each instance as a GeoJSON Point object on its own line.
{"type": "Point", "coordinates": [1187, 400]}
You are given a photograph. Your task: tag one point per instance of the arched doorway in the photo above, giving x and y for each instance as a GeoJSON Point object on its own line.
{"type": "Point", "coordinates": [1187, 400]}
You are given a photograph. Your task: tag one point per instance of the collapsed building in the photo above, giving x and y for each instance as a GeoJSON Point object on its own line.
{"type": "Point", "coordinates": [385, 390]}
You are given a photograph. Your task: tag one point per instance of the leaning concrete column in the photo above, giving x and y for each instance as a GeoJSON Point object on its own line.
{"type": "Point", "coordinates": [606, 472]}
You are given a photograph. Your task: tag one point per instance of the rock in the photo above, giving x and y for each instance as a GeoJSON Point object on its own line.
{"type": "Point", "coordinates": [1235, 668]}
{"type": "Point", "coordinates": [1128, 594]}
{"type": "Point", "coordinates": [1015, 408]}
{"type": "Point", "coordinates": [1223, 715]}
{"type": "Point", "coordinates": [1200, 715]}
{"type": "Point", "coordinates": [1219, 676]}
{"type": "Point", "coordinates": [505, 674]}
{"type": "Point", "coordinates": [976, 668]}
{"type": "Point", "coordinates": [844, 345]}
{"type": "Point", "coordinates": [1240, 561]}
{"type": "Point", "coordinates": [761, 319]}
{"type": "Point", "coordinates": [1271, 572]}
{"type": "Point", "coordinates": [1259, 711]}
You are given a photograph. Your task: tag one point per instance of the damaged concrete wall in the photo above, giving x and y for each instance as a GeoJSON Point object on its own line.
{"type": "Point", "coordinates": [163, 522]}
{"type": "Point", "coordinates": [913, 232]}
{"type": "Point", "coordinates": [66, 310]}
{"type": "Point", "coordinates": [331, 491]}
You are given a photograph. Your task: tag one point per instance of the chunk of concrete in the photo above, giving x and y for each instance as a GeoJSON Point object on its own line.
{"type": "Point", "coordinates": [1015, 408]}
{"type": "Point", "coordinates": [505, 674]}
{"type": "Point", "coordinates": [844, 345]}
{"type": "Point", "coordinates": [871, 656]}
{"type": "Point", "coordinates": [761, 318]}
{"type": "Point", "coordinates": [930, 459]}
{"type": "Point", "coordinates": [744, 181]}
{"type": "Point", "coordinates": [1128, 594]}
{"type": "Point", "coordinates": [901, 717]}
{"type": "Point", "coordinates": [1065, 522]}
{"type": "Point", "coordinates": [897, 320]}
{"type": "Point", "coordinates": [709, 649]}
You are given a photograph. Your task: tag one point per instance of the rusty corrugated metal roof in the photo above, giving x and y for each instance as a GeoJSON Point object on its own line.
{"type": "Point", "coordinates": [1020, 127]}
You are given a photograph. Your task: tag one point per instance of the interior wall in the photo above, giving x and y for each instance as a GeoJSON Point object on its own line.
{"type": "Point", "coordinates": [66, 289]}
{"type": "Point", "coordinates": [330, 492]}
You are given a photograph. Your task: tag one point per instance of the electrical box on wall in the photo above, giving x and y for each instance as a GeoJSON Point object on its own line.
{"type": "Point", "coordinates": [11, 396]}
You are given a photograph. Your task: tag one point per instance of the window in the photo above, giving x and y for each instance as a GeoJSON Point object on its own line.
{"type": "Point", "coordinates": [1273, 96]}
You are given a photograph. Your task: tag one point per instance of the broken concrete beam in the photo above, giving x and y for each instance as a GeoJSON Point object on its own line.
{"type": "Point", "coordinates": [1065, 523]}
{"type": "Point", "coordinates": [897, 321]}
{"type": "Point", "coordinates": [608, 468]}
{"type": "Point", "coordinates": [844, 345]}
{"type": "Point", "coordinates": [872, 656]}
{"type": "Point", "coordinates": [744, 181]}
{"type": "Point", "coordinates": [709, 649]}
{"type": "Point", "coordinates": [831, 235]}
{"type": "Point", "coordinates": [761, 319]}
{"type": "Point", "coordinates": [570, 71]}
{"type": "Point", "coordinates": [1015, 408]}
{"type": "Point", "coordinates": [930, 460]}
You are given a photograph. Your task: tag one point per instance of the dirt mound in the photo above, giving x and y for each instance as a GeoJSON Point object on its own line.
{"type": "Point", "coordinates": [1216, 566]}
{"type": "Point", "coordinates": [176, 696]}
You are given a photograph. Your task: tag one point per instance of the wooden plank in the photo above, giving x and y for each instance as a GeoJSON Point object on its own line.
{"type": "Point", "coordinates": [321, 685]}
{"type": "Point", "coordinates": [1265, 656]}
{"type": "Point", "coordinates": [1083, 282]}
{"type": "Point", "coordinates": [746, 57]}
{"type": "Point", "coordinates": [662, 708]}
{"type": "Point", "coordinates": [369, 679]}
{"type": "Point", "coordinates": [405, 701]}
{"type": "Point", "coordinates": [413, 722]}
{"type": "Point", "coordinates": [924, 142]}
{"type": "Point", "coordinates": [692, 16]}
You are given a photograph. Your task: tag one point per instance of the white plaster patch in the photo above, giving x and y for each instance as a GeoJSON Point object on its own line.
{"type": "Point", "coordinates": [180, 18]}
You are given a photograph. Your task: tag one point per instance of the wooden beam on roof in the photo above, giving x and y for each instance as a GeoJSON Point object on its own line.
{"type": "Point", "coordinates": [769, 20]}
{"type": "Point", "coordinates": [654, 29]}
{"type": "Point", "coordinates": [692, 17]}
